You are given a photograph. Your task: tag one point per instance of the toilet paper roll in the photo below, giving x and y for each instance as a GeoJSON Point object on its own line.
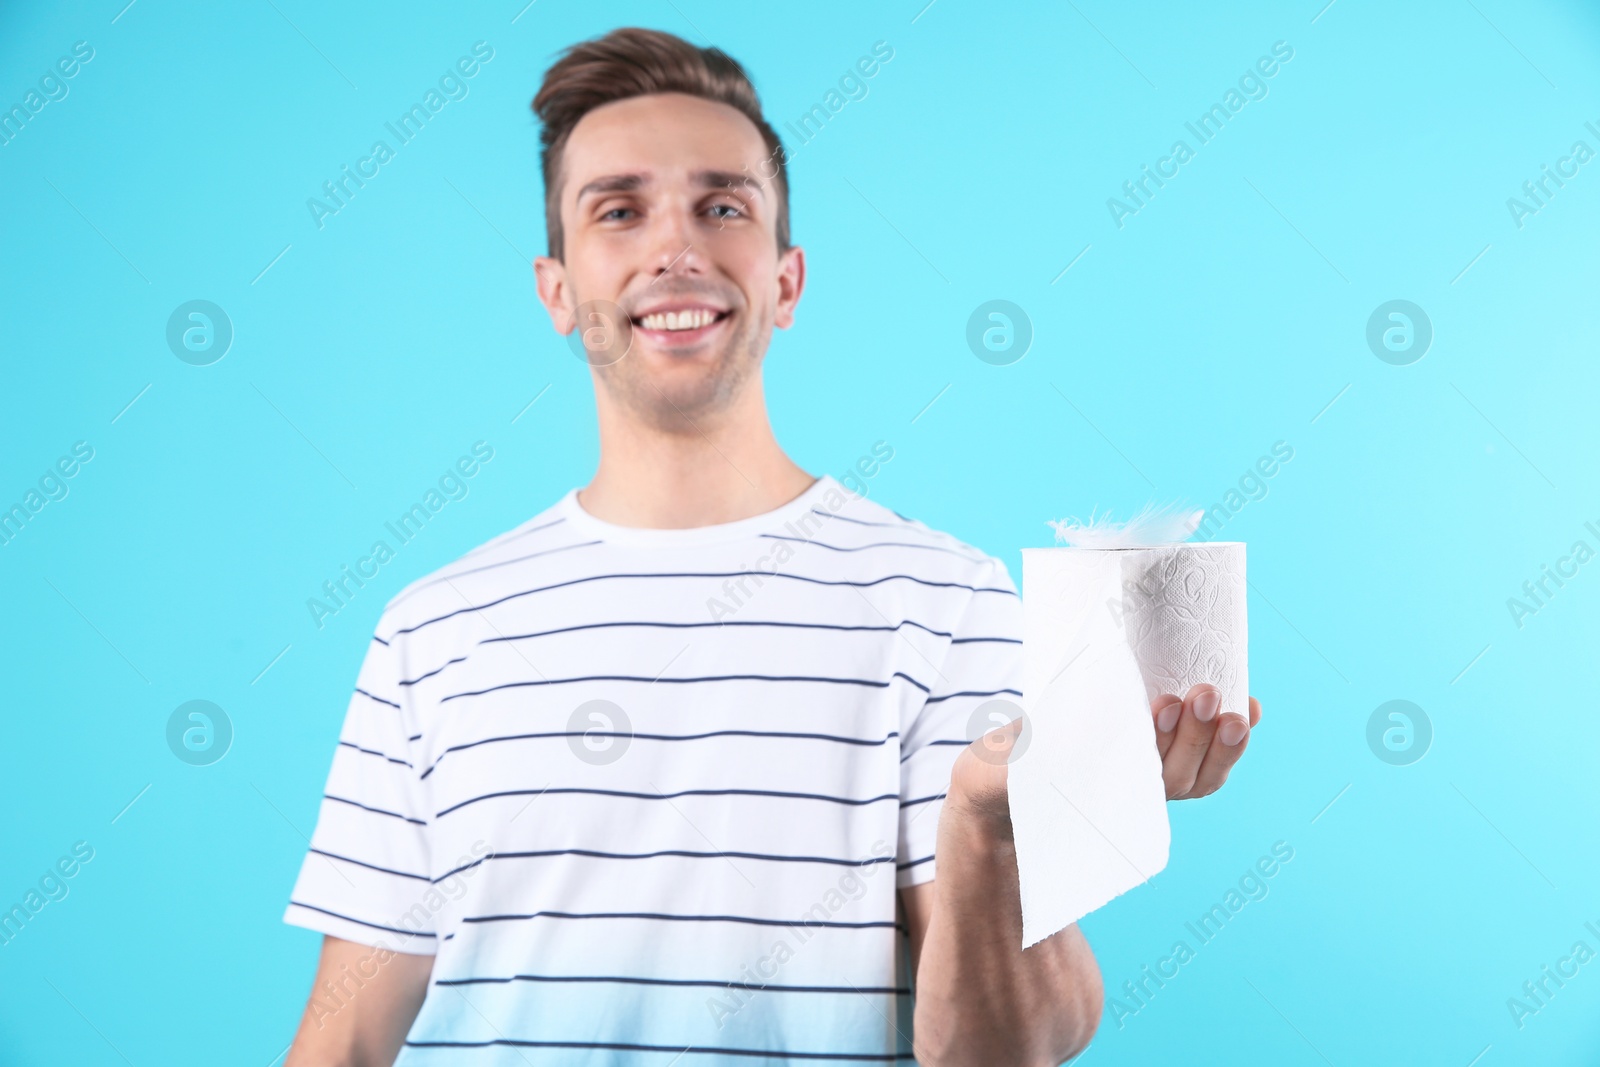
{"type": "Point", "coordinates": [1104, 632]}
{"type": "Point", "coordinates": [1184, 607]}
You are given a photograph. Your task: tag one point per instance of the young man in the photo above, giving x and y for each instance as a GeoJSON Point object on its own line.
{"type": "Point", "coordinates": [660, 775]}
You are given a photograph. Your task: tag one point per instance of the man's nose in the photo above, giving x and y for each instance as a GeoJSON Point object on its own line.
{"type": "Point", "coordinates": [673, 249]}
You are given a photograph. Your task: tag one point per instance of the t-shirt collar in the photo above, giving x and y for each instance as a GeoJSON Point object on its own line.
{"type": "Point", "coordinates": [740, 529]}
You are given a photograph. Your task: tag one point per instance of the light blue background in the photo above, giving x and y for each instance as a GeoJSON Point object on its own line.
{"type": "Point", "coordinates": [1222, 318]}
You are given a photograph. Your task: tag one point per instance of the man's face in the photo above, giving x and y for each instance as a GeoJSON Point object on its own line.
{"type": "Point", "coordinates": [666, 213]}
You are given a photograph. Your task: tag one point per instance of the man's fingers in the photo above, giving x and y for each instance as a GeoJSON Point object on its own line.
{"type": "Point", "coordinates": [1196, 727]}
{"type": "Point", "coordinates": [1204, 710]}
{"type": "Point", "coordinates": [1166, 708]}
{"type": "Point", "coordinates": [1229, 744]}
{"type": "Point", "coordinates": [1198, 743]}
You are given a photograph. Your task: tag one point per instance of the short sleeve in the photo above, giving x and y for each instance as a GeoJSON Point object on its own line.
{"type": "Point", "coordinates": [983, 662]}
{"type": "Point", "coordinates": [366, 876]}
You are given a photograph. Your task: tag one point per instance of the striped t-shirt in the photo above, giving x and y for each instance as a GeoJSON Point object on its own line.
{"type": "Point", "coordinates": [648, 794]}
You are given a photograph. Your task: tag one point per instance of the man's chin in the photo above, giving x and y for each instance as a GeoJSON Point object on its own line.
{"type": "Point", "coordinates": [677, 390]}
{"type": "Point", "coordinates": [663, 358]}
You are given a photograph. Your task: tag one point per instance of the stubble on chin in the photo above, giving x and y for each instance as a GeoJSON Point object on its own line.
{"type": "Point", "coordinates": [685, 404]}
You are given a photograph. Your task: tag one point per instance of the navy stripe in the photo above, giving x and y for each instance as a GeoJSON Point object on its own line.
{"type": "Point", "coordinates": [706, 574]}
{"type": "Point", "coordinates": [492, 566]}
{"type": "Point", "coordinates": [378, 811]}
{"type": "Point", "coordinates": [414, 737]}
{"type": "Point", "coordinates": [430, 674]}
{"type": "Point", "coordinates": [664, 917]}
{"type": "Point", "coordinates": [719, 625]}
{"type": "Point", "coordinates": [784, 1054]}
{"type": "Point", "coordinates": [516, 535]}
{"type": "Point", "coordinates": [375, 752]}
{"type": "Point", "coordinates": [703, 982]}
{"type": "Point", "coordinates": [913, 863]}
{"type": "Point", "coordinates": [921, 800]}
{"type": "Point", "coordinates": [464, 867]}
{"type": "Point", "coordinates": [591, 853]}
{"type": "Point", "coordinates": [970, 693]}
{"type": "Point", "coordinates": [362, 922]}
{"type": "Point", "coordinates": [380, 640]}
{"type": "Point", "coordinates": [934, 744]}
{"type": "Point", "coordinates": [380, 700]}
{"type": "Point", "coordinates": [495, 543]}
{"type": "Point", "coordinates": [997, 640]}
{"type": "Point", "coordinates": [371, 866]}
{"type": "Point", "coordinates": [876, 544]}
{"type": "Point", "coordinates": [667, 796]}
{"type": "Point", "coordinates": [905, 524]}
{"type": "Point", "coordinates": [902, 930]}
{"type": "Point", "coordinates": [706, 678]}
{"type": "Point", "coordinates": [661, 737]}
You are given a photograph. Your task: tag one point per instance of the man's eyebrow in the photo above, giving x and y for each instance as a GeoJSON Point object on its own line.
{"type": "Point", "coordinates": [706, 179]}
{"type": "Point", "coordinates": [613, 183]}
{"type": "Point", "coordinates": [726, 179]}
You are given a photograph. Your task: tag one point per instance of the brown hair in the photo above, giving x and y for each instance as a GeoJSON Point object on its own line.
{"type": "Point", "coordinates": [633, 62]}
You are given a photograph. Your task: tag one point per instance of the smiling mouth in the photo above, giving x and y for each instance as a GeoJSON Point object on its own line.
{"type": "Point", "coordinates": [680, 330]}
{"type": "Point", "coordinates": [679, 323]}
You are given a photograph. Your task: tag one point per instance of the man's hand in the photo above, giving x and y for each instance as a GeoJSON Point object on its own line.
{"type": "Point", "coordinates": [981, 999]}
{"type": "Point", "coordinates": [978, 779]}
{"type": "Point", "coordinates": [1199, 747]}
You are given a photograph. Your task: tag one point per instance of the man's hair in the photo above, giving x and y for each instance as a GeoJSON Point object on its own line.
{"type": "Point", "coordinates": [634, 62]}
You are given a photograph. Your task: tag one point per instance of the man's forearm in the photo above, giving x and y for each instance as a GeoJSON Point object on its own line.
{"type": "Point", "coordinates": [363, 1000]}
{"type": "Point", "coordinates": [980, 998]}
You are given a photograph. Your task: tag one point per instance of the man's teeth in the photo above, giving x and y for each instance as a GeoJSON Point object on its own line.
{"type": "Point", "coordinates": [678, 320]}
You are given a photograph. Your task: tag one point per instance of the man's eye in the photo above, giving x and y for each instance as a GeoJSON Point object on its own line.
{"type": "Point", "coordinates": [725, 211]}
{"type": "Point", "coordinates": [616, 214]}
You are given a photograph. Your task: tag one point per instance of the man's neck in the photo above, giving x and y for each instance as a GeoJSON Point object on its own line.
{"type": "Point", "coordinates": [719, 470]}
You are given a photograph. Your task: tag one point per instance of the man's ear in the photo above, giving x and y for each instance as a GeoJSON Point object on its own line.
{"type": "Point", "coordinates": [555, 293]}
{"type": "Point", "coordinates": [791, 282]}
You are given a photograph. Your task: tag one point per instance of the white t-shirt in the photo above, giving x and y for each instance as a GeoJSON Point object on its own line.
{"type": "Point", "coordinates": [646, 791]}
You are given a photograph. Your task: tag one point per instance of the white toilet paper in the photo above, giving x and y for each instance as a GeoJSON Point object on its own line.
{"type": "Point", "coordinates": [1186, 619]}
{"type": "Point", "coordinates": [1105, 631]}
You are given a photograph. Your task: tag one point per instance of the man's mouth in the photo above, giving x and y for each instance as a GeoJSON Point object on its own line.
{"type": "Point", "coordinates": [679, 324]}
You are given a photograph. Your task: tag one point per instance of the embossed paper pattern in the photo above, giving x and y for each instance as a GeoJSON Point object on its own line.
{"type": "Point", "coordinates": [1186, 619]}
{"type": "Point", "coordinates": [1104, 631]}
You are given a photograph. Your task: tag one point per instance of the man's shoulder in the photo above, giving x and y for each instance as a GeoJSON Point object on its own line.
{"type": "Point", "coordinates": [543, 534]}
{"type": "Point", "coordinates": [849, 521]}
{"type": "Point", "coordinates": [841, 523]}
